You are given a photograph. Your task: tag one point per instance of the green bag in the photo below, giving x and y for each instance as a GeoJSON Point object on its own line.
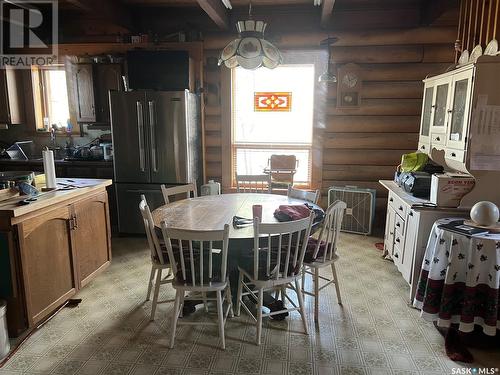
{"type": "Point", "coordinates": [413, 162]}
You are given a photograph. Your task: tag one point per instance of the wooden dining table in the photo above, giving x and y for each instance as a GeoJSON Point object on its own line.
{"type": "Point", "coordinates": [211, 212]}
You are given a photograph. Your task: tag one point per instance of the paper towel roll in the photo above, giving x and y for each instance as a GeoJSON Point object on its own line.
{"type": "Point", "coordinates": [49, 169]}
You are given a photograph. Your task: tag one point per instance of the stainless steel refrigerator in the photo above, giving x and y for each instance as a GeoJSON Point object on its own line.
{"type": "Point", "coordinates": [156, 140]}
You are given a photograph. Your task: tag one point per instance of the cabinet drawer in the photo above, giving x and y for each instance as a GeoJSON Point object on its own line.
{"type": "Point", "coordinates": [438, 140]}
{"type": "Point", "coordinates": [397, 204]}
{"type": "Point", "coordinates": [457, 155]}
{"type": "Point", "coordinates": [397, 256]}
{"type": "Point", "coordinates": [424, 147]}
{"type": "Point", "coordinates": [400, 224]}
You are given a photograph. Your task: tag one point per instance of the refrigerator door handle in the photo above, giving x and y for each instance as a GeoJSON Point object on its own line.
{"type": "Point", "coordinates": [140, 130]}
{"type": "Point", "coordinates": [175, 104]}
{"type": "Point", "coordinates": [152, 135]}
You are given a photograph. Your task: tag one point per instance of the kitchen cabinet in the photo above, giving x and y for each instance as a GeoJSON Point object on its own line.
{"type": "Point", "coordinates": [407, 230]}
{"type": "Point", "coordinates": [47, 254]}
{"type": "Point", "coordinates": [50, 249]}
{"type": "Point", "coordinates": [107, 77]}
{"type": "Point", "coordinates": [91, 85]}
{"type": "Point", "coordinates": [11, 96]}
{"type": "Point", "coordinates": [459, 110]}
{"type": "Point", "coordinates": [91, 236]}
{"type": "Point", "coordinates": [83, 84]}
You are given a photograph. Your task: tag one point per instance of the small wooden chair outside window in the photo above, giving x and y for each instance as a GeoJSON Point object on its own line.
{"type": "Point", "coordinates": [253, 183]}
{"type": "Point", "coordinates": [187, 189]}
{"type": "Point", "coordinates": [278, 253]}
{"type": "Point", "coordinates": [310, 196]}
{"type": "Point", "coordinates": [282, 169]}
{"type": "Point", "coordinates": [198, 272]}
{"type": "Point", "coordinates": [159, 259]}
{"type": "Point", "coordinates": [327, 241]}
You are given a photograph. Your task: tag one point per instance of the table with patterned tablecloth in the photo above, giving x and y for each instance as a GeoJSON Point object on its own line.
{"type": "Point", "coordinates": [460, 280]}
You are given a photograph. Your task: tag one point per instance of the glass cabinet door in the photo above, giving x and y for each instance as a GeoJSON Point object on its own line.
{"type": "Point", "coordinates": [427, 112]}
{"type": "Point", "coordinates": [441, 106]}
{"type": "Point", "coordinates": [459, 116]}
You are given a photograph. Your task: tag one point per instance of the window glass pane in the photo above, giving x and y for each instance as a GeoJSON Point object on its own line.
{"type": "Point", "coordinates": [254, 161]}
{"type": "Point", "coordinates": [57, 97]}
{"type": "Point", "coordinates": [294, 126]}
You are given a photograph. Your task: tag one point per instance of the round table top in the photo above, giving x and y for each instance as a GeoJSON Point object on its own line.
{"type": "Point", "coordinates": [211, 212]}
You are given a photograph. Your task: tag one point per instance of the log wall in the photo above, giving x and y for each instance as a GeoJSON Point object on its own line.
{"type": "Point", "coordinates": [360, 146]}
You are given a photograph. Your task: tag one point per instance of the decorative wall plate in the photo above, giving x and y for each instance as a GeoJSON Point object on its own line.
{"type": "Point", "coordinates": [464, 58]}
{"type": "Point", "coordinates": [492, 48]}
{"type": "Point", "coordinates": [476, 53]}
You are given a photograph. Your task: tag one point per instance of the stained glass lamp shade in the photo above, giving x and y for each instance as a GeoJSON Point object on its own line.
{"type": "Point", "coordinates": [250, 50]}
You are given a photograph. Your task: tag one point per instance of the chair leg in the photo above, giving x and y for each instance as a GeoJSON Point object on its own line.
{"type": "Point", "coordinates": [337, 289]}
{"type": "Point", "coordinates": [259, 314]}
{"type": "Point", "coordinates": [302, 310]}
{"type": "Point", "coordinates": [303, 286]}
{"type": "Point", "coordinates": [220, 313]}
{"type": "Point", "coordinates": [205, 303]}
{"type": "Point", "coordinates": [175, 317]}
{"type": "Point", "coordinates": [229, 298]}
{"type": "Point", "coordinates": [155, 295]}
{"type": "Point", "coordinates": [150, 283]}
{"type": "Point", "coordinates": [181, 305]}
{"type": "Point", "coordinates": [240, 289]}
{"type": "Point", "coordinates": [316, 294]}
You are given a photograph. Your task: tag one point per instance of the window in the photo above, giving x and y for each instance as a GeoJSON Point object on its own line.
{"type": "Point", "coordinates": [272, 114]}
{"type": "Point", "coordinates": [50, 95]}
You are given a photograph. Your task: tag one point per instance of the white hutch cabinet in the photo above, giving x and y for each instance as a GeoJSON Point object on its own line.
{"type": "Point", "coordinates": [459, 129]}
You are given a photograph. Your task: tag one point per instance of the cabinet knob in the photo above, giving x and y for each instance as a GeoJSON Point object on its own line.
{"type": "Point", "coordinates": [398, 240]}
{"type": "Point", "coordinates": [411, 213]}
{"type": "Point", "coordinates": [391, 200]}
{"type": "Point", "coordinates": [438, 139]}
{"type": "Point", "coordinates": [450, 110]}
{"type": "Point", "coordinates": [453, 154]}
{"type": "Point", "coordinates": [400, 208]}
{"type": "Point", "coordinates": [396, 255]}
{"type": "Point", "coordinates": [398, 225]}
{"type": "Point", "coordinates": [422, 147]}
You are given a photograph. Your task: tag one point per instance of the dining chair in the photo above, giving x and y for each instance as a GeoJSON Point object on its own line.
{"type": "Point", "coordinates": [282, 169]}
{"type": "Point", "coordinates": [159, 258]}
{"type": "Point", "coordinates": [181, 189]}
{"type": "Point", "coordinates": [278, 253]}
{"type": "Point", "coordinates": [260, 183]}
{"type": "Point", "coordinates": [197, 272]}
{"type": "Point", "coordinates": [310, 196]}
{"type": "Point", "coordinates": [325, 254]}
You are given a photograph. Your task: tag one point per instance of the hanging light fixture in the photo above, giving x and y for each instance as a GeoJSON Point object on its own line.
{"type": "Point", "coordinates": [329, 75]}
{"type": "Point", "coordinates": [250, 50]}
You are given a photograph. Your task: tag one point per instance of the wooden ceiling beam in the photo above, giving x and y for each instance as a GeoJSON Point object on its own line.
{"type": "Point", "coordinates": [326, 12]}
{"type": "Point", "coordinates": [216, 11]}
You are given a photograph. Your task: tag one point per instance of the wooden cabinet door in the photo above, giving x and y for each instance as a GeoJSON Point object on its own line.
{"type": "Point", "coordinates": [49, 272]}
{"type": "Point", "coordinates": [427, 111]}
{"type": "Point", "coordinates": [108, 77]}
{"type": "Point", "coordinates": [91, 236]}
{"type": "Point", "coordinates": [389, 230]}
{"type": "Point", "coordinates": [84, 90]}
{"type": "Point", "coordinates": [459, 110]}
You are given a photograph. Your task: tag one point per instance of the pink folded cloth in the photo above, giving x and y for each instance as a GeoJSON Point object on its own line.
{"type": "Point", "coordinates": [288, 212]}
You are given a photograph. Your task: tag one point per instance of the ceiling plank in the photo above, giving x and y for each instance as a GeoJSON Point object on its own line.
{"type": "Point", "coordinates": [111, 11]}
{"type": "Point", "coordinates": [326, 12]}
{"type": "Point", "coordinates": [433, 9]}
{"type": "Point", "coordinates": [216, 11]}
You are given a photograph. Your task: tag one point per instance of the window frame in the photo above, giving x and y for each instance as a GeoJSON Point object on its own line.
{"type": "Point", "coordinates": [263, 146]}
{"type": "Point", "coordinates": [40, 90]}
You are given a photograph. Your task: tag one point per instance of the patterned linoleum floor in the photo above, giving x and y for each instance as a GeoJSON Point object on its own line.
{"type": "Point", "coordinates": [374, 332]}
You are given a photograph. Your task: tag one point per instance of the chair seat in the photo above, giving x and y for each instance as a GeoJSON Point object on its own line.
{"type": "Point", "coordinates": [266, 283]}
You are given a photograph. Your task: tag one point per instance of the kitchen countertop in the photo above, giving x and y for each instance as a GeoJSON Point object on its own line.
{"type": "Point", "coordinates": [103, 163]}
{"type": "Point", "coordinates": [12, 208]}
